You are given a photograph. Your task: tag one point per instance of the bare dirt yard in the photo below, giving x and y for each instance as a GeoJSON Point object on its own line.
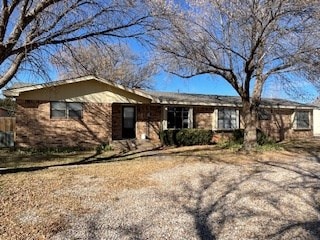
{"type": "Point", "coordinates": [183, 193]}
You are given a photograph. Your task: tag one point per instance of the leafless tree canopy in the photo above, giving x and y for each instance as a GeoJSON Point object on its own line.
{"type": "Point", "coordinates": [116, 63]}
{"type": "Point", "coordinates": [31, 29]}
{"type": "Point", "coordinates": [245, 42]}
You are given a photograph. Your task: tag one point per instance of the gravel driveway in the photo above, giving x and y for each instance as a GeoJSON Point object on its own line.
{"type": "Point", "coordinates": [276, 199]}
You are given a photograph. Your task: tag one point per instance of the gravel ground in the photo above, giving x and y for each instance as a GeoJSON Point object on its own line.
{"type": "Point", "coordinates": [275, 199]}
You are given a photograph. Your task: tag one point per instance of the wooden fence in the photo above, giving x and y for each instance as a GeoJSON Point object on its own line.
{"type": "Point", "coordinates": [7, 131]}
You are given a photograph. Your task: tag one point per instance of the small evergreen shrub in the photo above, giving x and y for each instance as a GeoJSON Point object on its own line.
{"type": "Point", "coordinates": [186, 137]}
{"type": "Point", "coordinates": [168, 137]}
{"type": "Point", "coordinates": [238, 136]}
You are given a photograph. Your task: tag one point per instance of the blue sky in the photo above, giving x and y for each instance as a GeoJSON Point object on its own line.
{"type": "Point", "coordinates": [201, 84]}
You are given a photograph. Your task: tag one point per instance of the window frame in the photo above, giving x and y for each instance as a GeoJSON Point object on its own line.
{"type": "Point", "coordinates": [296, 125]}
{"type": "Point", "coordinates": [236, 119]}
{"type": "Point", "coordinates": [68, 109]}
{"type": "Point", "coordinates": [185, 112]}
{"type": "Point", "coordinates": [264, 114]}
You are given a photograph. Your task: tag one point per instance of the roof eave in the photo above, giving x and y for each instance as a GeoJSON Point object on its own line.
{"type": "Point", "coordinates": [10, 94]}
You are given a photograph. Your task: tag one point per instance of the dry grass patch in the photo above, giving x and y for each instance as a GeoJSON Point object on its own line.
{"type": "Point", "coordinates": [18, 159]}
{"type": "Point", "coordinates": [38, 204]}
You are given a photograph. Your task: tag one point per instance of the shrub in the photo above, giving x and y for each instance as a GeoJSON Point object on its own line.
{"type": "Point", "coordinates": [186, 137]}
{"type": "Point", "coordinates": [238, 136]}
{"type": "Point", "coordinates": [168, 137]}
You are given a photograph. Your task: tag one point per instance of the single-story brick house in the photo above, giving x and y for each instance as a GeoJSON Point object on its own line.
{"type": "Point", "coordinates": [89, 111]}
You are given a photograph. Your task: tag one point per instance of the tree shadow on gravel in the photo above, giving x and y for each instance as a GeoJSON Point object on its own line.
{"type": "Point", "coordinates": [224, 200]}
{"type": "Point", "coordinates": [306, 188]}
{"type": "Point", "coordinates": [258, 200]}
{"type": "Point", "coordinates": [201, 202]}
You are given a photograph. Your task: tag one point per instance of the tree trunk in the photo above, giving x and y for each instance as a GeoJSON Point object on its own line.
{"type": "Point", "coordinates": [250, 124]}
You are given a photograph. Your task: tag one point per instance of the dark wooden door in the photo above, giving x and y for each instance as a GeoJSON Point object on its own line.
{"type": "Point", "coordinates": [128, 122]}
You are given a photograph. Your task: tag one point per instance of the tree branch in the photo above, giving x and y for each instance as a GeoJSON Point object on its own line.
{"type": "Point", "coordinates": [4, 79]}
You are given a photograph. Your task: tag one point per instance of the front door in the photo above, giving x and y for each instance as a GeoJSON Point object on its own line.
{"type": "Point", "coordinates": [128, 122]}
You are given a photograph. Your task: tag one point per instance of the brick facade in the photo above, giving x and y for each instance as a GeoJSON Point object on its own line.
{"type": "Point", "coordinates": [202, 117]}
{"type": "Point", "coordinates": [279, 127]}
{"type": "Point", "coordinates": [148, 121]}
{"type": "Point", "coordinates": [102, 123]}
{"type": "Point", "coordinates": [116, 121]}
{"type": "Point", "coordinates": [35, 128]}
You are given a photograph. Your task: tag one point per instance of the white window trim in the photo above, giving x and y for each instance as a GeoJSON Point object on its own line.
{"type": "Point", "coordinates": [165, 117]}
{"type": "Point", "coordinates": [215, 121]}
{"type": "Point", "coordinates": [294, 122]}
{"type": "Point", "coordinates": [190, 118]}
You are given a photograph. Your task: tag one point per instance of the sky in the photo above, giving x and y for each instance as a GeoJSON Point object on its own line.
{"type": "Point", "coordinates": [201, 84]}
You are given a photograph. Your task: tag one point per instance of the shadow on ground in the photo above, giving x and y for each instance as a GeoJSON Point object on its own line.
{"type": "Point", "coordinates": [219, 200]}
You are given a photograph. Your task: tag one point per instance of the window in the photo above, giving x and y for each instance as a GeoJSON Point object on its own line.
{"type": "Point", "coordinates": [302, 120]}
{"type": "Point", "coordinates": [178, 117]}
{"type": "Point", "coordinates": [228, 119]}
{"type": "Point", "coordinates": [66, 110]}
{"type": "Point", "coordinates": [264, 114]}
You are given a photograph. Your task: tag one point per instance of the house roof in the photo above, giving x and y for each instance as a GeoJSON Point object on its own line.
{"type": "Point", "coordinates": [163, 97]}
{"type": "Point", "coordinates": [218, 100]}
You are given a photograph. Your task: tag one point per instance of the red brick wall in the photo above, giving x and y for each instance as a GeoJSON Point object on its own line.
{"type": "Point", "coordinates": [148, 121]}
{"type": "Point", "coordinates": [280, 126]}
{"type": "Point", "coordinates": [36, 129]}
{"type": "Point", "coordinates": [116, 121]}
{"type": "Point", "coordinates": [203, 117]}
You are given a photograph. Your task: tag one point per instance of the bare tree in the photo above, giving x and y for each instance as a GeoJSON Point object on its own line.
{"type": "Point", "coordinates": [245, 42]}
{"type": "Point", "coordinates": [116, 63]}
{"type": "Point", "coordinates": [30, 30]}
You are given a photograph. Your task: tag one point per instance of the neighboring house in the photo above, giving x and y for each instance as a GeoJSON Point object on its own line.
{"type": "Point", "coordinates": [89, 111]}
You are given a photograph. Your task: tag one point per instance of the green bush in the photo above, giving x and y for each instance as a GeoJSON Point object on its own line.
{"type": "Point", "coordinates": [186, 137]}
{"type": "Point", "coordinates": [238, 136]}
{"type": "Point", "coordinates": [168, 137]}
